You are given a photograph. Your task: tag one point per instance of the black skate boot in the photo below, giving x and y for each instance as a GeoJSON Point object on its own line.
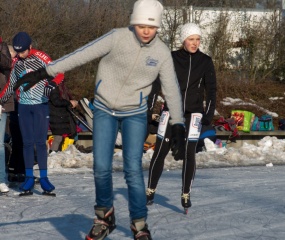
{"type": "Point", "coordinates": [185, 201]}
{"type": "Point", "coordinates": [15, 178]}
{"type": "Point", "coordinates": [47, 187]}
{"type": "Point", "coordinates": [140, 230]}
{"type": "Point", "coordinates": [103, 225]}
{"type": "Point", "coordinates": [27, 186]}
{"type": "Point", "coordinates": [150, 196]}
{"type": "Point", "coordinates": [21, 177]}
{"type": "Point", "coordinates": [12, 177]}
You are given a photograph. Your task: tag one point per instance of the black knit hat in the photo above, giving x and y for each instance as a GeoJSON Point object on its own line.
{"type": "Point", "coordinates": [21, 42]}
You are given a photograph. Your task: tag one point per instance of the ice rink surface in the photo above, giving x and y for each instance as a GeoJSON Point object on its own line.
{"type": "Point", "coordinates": [227, 204]}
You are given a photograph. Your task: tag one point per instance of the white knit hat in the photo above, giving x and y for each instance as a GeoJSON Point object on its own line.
{"type": "Point", "coordinates": [147, 12]}
{"type": "Point", "coordinates": [189, 29]}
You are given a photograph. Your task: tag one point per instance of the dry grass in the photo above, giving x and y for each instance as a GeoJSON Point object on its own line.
{"type": "Point", "coordinates": [258, 94]}
{"type": "Point", "coordinates": [71, 24]}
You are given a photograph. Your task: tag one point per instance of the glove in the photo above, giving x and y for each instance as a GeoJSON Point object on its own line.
{"type": "Point", "coordinates": [47, 90]}
{"type": "Point", "coordinates": [31, 79]}
{"type": "Point", "coordinates": [177, 144]}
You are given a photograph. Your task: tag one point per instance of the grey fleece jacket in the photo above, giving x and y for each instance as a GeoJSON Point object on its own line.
{"type": "Point", "coordinates": [126, 72]}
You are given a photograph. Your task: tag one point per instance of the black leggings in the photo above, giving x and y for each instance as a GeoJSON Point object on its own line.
{"type": "Point", "coordinates": [16, 163]}
{"type": "Point", "coordinates": [162, 148]}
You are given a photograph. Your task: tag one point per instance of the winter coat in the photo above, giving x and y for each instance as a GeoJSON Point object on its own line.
{"type": "Point", "coordinates": [126, 72]}
{"type": "Point", "coordinates": [61, 121]}
{"type": "Point", "coordinates": [5, 68]}
{"type": "Point", "coordinates": [197, 80]}
{"type": "Point", "coordinates": [35, 60]}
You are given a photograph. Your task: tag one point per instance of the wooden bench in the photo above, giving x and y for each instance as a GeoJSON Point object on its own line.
{"type": "Point", "coordinates": [252, 137]}
{"type": "Point", "coordinates": [85, 138]}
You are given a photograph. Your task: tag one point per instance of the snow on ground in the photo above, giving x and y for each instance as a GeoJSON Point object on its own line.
{"type": "Point", "coordinates": [269, 150]}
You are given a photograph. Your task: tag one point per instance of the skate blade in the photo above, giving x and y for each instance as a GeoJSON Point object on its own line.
{"type": "Point", "coordinates": [25, 193]}
{"type": "Point", "coordinates": [50, 194]}
{"type": "Point", "coordinates": [185, 211]}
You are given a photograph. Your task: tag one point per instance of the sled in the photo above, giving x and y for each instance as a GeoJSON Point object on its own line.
{"type": "Point", "coordinates": [88, 114]}
{"type": "Point", "coordinates": [81, 120]}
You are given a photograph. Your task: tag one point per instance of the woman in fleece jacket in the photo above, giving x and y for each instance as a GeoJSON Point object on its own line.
{"type": "Point", "coordinates": [132, 58]}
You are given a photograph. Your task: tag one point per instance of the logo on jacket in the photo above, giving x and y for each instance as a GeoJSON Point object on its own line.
{"type": "Point", "coordinates": [151, 62]}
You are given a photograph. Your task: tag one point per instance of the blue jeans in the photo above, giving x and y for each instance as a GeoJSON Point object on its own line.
{"type": "Point", "coordinates": [33, 121]}
{"type": "Point", "coordinates": [2, 147]}
{"type": "Point", "coordinates": [133, 129]}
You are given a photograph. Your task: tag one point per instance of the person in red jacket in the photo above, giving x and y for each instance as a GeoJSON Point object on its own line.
{"type": "Point", "coordinates": [33, 111]}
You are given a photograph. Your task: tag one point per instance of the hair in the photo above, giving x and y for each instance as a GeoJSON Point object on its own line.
{"type": "Point", "coordinates": [13, 53]}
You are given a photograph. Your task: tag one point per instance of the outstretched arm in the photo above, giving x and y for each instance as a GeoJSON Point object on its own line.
{"type": "Point", "coordinates": [95, 49]}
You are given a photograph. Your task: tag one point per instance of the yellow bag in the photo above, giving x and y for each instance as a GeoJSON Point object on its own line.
{"type": "Point", "coordinates": [243, 119]}
{"type": "Point", "coordinates": [67, 141]}
{"type": "Point", "coordinates": [49, 142]}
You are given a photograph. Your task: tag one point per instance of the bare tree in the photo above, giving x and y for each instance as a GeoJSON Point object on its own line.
{"type": "Point", "coordinates": [61, 26]}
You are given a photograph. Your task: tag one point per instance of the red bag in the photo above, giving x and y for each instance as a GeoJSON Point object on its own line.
{"type": "Point", "coordinates": [228, 124]}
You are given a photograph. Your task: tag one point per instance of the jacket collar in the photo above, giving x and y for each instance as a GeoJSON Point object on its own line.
{"type": "Point", "coordinates": [186, 53]}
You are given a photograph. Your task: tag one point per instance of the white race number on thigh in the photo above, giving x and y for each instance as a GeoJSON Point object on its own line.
{"type": "Point", "coordinates": [195, 127]}
{"type": "Point", "coordinates": [163, 122]}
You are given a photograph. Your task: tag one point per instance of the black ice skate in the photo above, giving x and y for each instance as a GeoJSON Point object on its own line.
{"type": "Point", "coordinates": [16, 177]}
{"type": "Point", "coordinates": [140, 230]}
{"type": "Point", "coordinates": [149, 196]}
{"type": "Point", "coordinates": [47, 187]}
{"type": "Point", "coordinates": [185, 201]}
{"type": "Point", "coordinates": [13, 180]}
{"type": "Point", "coordinates": [103, 225]}
{"type": "Point", "coordinates": [27, 186]}
{"type": "Point", "coordinates": [12, 177]}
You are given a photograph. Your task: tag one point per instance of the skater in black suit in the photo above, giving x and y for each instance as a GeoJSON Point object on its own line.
{"type": "Point", "coordinates": [196, 76]}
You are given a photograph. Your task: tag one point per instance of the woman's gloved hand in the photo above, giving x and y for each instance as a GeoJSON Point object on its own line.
{"type": "Point", "coordinates": [177, 144]}
{"type": "Point", "coordinates": [31, 78]}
